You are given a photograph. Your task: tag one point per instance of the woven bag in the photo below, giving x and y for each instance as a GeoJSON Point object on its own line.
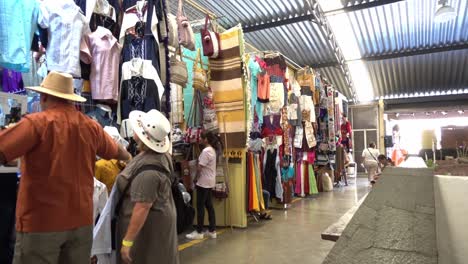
{"type": "Point", "coordinates": [178, 70]}
{"type": "Point", "coordinates": [199, 74]}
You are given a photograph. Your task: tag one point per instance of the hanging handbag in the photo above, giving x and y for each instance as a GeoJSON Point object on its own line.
{"type": "Point", "coordinates": [210, 119]}
{"type": "Point", "coordinates": [178, 69]}
{"type": "Point", "coordinates": [210, 40]}
{"type": "Point", "coordinates": [186, 37]}
{"type": "Point", "coordinates": [173, 32]}
{"type": "Point", "coordinates": [194, 120]}
{"type": "Point", "coordinates": [220, 191]}
{"type": "Point", "coordinates": [199, 74]}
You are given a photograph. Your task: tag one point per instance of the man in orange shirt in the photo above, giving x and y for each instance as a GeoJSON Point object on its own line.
{"type": "Point", "coordinates": [54, 216]}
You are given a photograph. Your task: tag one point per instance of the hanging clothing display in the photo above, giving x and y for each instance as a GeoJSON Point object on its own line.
{"type": "Point", "coordinates": [102, 51]}
{"type": "Point", "coordinates": [255, 193]}
{"type": "Point", "coordinates": [141, 88]}
{"type": "Point", "coordinates": [19, 22]}
{"type": "Point", "coordinates": [257, 107]}
{"type": "Point", "coordinates": [270, 173]}
{"type": "Point", "coordinates": [12, 81]}
{"type": "Point", "coordinates": [66, 26]}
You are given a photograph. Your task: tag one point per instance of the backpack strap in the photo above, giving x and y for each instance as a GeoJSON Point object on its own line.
{"type": "Point", "coordinates": [142, 169]}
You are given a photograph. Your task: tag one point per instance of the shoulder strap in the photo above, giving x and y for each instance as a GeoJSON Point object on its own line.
{"type": "Point", "coordinates": [372, 155]}
{"type": "Point", "coordinates": [144, 168]}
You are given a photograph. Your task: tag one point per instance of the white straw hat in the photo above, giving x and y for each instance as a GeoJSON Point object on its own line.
{"type": "Point", "coordinates": [152, 128]}
{"type": "Point", "coordinates": [59, 85]}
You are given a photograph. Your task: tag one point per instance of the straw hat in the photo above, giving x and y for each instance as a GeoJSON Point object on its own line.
{"type": "Point", "coordinates": [152, 128]}
{"type": "Point", "coordinates": [59, 85]}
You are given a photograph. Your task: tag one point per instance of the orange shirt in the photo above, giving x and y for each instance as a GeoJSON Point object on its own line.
{"type": "Point", "coordinates": [59, 148]}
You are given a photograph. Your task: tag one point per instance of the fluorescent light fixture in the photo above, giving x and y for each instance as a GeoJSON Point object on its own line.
{"type": "Point", "coordinates": [445, 13]}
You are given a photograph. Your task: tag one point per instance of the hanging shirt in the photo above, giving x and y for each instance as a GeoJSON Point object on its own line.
{"type": "Point", "coordinates": [263, 87]}
{"type": "Point", "coordinates": [138, 93]}
{"type": "Point", "coordinates": [102, 50]}
{"type": "Point", "coordinates": [18, 22]}
{"type": "Point", "coordinates": [143, 68]}
{"type": "Point", "coordinates": [12, 81]}
{"type": "Point", "coordinates": [99, 198]}
{"type": "Point", "coordinates": [106, 171]}
{"type": "Point", "coordinates": [67, 25]}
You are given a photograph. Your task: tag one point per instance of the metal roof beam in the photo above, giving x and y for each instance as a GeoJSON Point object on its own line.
{"type": "Point", "coordinates": [324, 26]}
{"type": "Point", "coordinates": [416, 52]}
{"type": "Point", "coordinates": [400, 54]}
{"type": "Point", "coordinates": [358, 7]}
{"type": "Point", "coordinates": [276, 23]}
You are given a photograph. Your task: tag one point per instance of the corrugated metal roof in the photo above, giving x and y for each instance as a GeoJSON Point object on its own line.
{"type": "Point", "coordinates": [302, 42]}
{"type": "Point", "coordinates": [438, 72]}
{"type": "Point", "coordinates": [407, 25]}
{"type": "Point", "coordinates": [387, 29]}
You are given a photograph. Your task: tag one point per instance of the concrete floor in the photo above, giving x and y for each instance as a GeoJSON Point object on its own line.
{"type": "Point", "coordinates": [293, 236]}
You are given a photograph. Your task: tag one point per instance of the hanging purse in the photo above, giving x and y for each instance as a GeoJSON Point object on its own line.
{"type": "Point", "coordinates": [178, 69]}
{"type": "Point", "coordinates": [173, 32]}
{"type": "Point", "coordinates": [194, 120]}
{"type": "Point", "coordinates": [186, 37]}
{"type": "Point", "coordinates": [199, 74]}
{"type": "Point", "coordinates": [210, 40]}
{"type": "Point", "coordinates": [210, 119]}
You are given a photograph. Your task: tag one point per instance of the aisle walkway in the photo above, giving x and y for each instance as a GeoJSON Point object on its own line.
{"type": "Point", "coordinates": [293, 236]}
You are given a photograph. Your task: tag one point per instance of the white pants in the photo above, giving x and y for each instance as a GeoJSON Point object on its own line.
{"type": "Point", "coordinates": [371, 168]}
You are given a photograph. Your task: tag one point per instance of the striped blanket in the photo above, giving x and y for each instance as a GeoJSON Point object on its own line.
{"type": "Point", "coordinates": [228, 90]}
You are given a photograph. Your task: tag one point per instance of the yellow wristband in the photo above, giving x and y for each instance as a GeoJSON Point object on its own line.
{"type": "Point", "coordinates": [127, 243]}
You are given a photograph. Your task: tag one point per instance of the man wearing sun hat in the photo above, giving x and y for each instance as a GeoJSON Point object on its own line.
{"type": "Point", "coordinates": [58, 146]}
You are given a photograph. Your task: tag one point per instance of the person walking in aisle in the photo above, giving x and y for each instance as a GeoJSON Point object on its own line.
{"type": "Point", "coordinates": [147, 220]}
{"type": "Point", "coordinates": [54, 216]}
{"type": "Point", "coordinates": [371, 164]}
{"type": "Point", "coordinates": [205, 182]}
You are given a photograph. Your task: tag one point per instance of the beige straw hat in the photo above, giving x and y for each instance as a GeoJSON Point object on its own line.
{"type": "Point", "coordinates": [59, 85]}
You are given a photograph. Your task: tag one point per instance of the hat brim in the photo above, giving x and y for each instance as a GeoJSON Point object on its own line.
{"type": "Point", "coordinates": [70, 97]}
{"type": "Point", "coordinates": [133, 118]}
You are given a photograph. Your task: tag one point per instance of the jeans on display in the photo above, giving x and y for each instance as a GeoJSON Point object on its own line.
{"type": "Point", "coordinates": [205, 199]}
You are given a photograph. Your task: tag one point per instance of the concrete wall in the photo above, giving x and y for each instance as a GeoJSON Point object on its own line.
{"type": "Point", "coordinates": [452, 217]}
{"type": "Point", "coordinates": [395, 224]}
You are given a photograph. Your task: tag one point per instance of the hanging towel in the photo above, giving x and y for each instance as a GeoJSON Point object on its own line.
{"type": "Point", "coordinates": [312, 181]}
{"type": "Point", "coordinates": [258, 182]}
